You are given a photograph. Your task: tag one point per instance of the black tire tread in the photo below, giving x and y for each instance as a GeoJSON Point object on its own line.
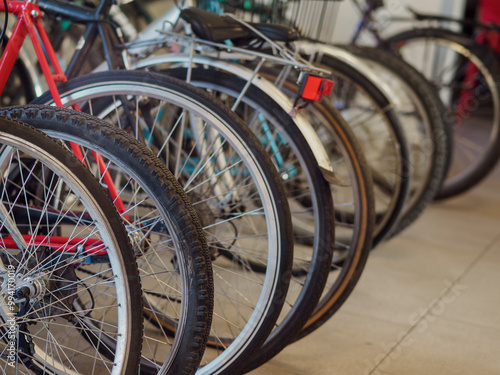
{"type": "Point", "coordinates": [139, 157]}
{"type": "Point", "coordinates": [30, 133]}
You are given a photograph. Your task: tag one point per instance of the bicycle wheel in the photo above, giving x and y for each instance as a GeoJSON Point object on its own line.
{"type": "Point", "coordinates": [466, 76]}
{"type": "Point", "coordinates": [233, 186]}
{"type": "Point", "coordinates": [354, 204]}
{"type": "Point", "coordinates": [55, 316]}
{"type": "Point", "coordinates": [170, 247]}
{"type": "Point", "coordinates": [374, 121]}
{"type": "Point", "coordinates": [307, 191]}
{"type": "Point", "coordinates": [425, 122]}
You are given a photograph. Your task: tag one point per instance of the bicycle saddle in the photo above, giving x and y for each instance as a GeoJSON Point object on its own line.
{"type": "Point", "coordinates": [217, 28]}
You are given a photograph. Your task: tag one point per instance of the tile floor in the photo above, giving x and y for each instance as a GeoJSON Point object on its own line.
{"type": "Point", "coordinates": [427, 303]}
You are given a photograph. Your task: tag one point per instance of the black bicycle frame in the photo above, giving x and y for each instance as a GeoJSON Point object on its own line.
{"type": "Point", "coordinates": [96, 23]}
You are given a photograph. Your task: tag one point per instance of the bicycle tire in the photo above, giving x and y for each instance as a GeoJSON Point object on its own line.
{"type": "Point", "coordinates": [487, 149]}
{"type": "Point", "coordinates": [435, 143]}
{"type": "Point", "coordinates": [56, 277]}
{"type": "Point", "coordinates": [174, 209]}
{"type": "Point", "coordinates": [134, 87]}
{"type": "Point", "coordinates": [308, 280]}
{"type": "Point", "coordinates": [336, 294]}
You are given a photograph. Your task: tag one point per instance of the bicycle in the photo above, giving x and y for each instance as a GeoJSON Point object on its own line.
{"type": "Point", "coordinates": [169, 246]}
{"type": "Point", "coordinates": [239, 160]}
{"type": "Point", "coordinates": [377, 117]}
{"type": "Point", "coordinates": [466, 75]}
{"type": "Point", "coordinates": [359, 91]}
{"type": "Point", "coordinates": [257, 106]}
{"type": "Point", "coordinates": [335, 299]}
{"type": "Point", "coordinates": [320, 263]}
{"type": "Point", "coordinates": [188, 309]}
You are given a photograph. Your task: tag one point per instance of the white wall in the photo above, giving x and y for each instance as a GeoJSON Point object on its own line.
{"type": "Point", "coordinates": [347, 15]}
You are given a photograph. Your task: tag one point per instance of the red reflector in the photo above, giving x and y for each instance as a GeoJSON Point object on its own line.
{"type": "Point", "coordinates": [326, 87]}
{"type": "Point", "coordinates": [316, 87]}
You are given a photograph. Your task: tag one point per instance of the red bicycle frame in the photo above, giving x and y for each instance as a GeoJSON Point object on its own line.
{"type": "Point", "coordinates": [28, 22]}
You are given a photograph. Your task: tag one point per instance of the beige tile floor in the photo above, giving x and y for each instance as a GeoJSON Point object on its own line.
{"type": "Point", "coordinates": [427, 303]}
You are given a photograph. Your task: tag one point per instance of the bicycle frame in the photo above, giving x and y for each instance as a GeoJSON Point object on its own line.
{"type": "Point", "coordinates": [482, 36]}
{"type": "Point", "coordinates": [96, 24]}
{"type": "Point", "coordinates": [28, 23]}
{"type": "Point", "coordinates": [366, 23]}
